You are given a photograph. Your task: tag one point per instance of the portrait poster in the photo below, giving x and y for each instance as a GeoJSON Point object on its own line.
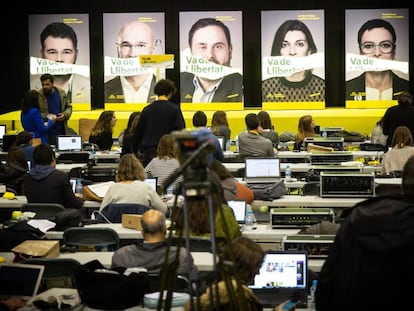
{"type": "Point", "coordinates": [293, 59]}
{"type": "Point", "coordinates": [59, 45]}
{"type": "Point", "coordinates": [377, 57]}
{"type": "Point", "coordinates": [129, 85]}
{"type": "Point", "coordinates": [211, 60]}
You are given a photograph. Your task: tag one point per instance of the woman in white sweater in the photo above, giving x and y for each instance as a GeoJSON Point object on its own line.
{"type": "Point", "coordinates": [130, 186]}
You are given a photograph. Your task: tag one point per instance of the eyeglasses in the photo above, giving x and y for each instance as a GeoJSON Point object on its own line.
{"type": "Point", "coordinates": [126, 46]}
{"type": "Point", "coordinates": [385, 47]}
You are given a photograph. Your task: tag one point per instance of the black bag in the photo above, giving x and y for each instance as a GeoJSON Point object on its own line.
{"type": "Point", "coordinates": [269, 192]}
{"type": "Point", "coordinates": [373, 147]}
{"type": "Point", "coordinates": [17, 233]}
{"type": "Point", "coordinates": [70, 217]}
{"type": "Point", "coordinates": [110, 290]}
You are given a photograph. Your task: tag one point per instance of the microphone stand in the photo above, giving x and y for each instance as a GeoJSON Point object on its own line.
{"type": "Point", "coordinates": [198, 189]}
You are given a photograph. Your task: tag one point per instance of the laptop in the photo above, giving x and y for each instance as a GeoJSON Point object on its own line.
{"type": "Point", "coordinates": [262, 170]}
{"type": "Point", "coordinates": [239, 209]}
{"type": "Point", "coordinates": [68, 143]}
{"type": "Point", "coordinates": [282, 276]}
{"type": "Point", "coordinates": [152, 181]}
{"type": "Point", "coordinates": [20, 280]}
{"type": "Point", "coordinates": [3, 130]}
{"type": "Point", "coordinates": [8, 141]}
{"type": "Point", "coordinates": [222, 142]}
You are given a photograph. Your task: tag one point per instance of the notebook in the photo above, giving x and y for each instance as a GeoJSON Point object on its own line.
{"type": "Point", "coordinates": [282, 276]}
{"type": "Point", "coordinates": [69, 143]}
{"type": "Point", "coordinates": [239, 209]}
{"type": "Point", "coordinates": [262, 170]}
{"type": "Point", "coordinates": [20, 280]}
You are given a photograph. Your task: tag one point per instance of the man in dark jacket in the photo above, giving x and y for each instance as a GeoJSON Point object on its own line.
{"type": "Point", "coordinates": [150, 253]}
{"type": "Point", "coordinates": [46, 184]}
{"type": "Point", "coordinates": [370, 263]}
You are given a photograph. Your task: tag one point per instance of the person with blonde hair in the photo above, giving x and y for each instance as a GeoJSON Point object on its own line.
{"type": "Point", "coordinates": [165, 162]}
{"type": "Point", "coordinates": [101, 133]}
{"type": "Point", "coordinates": [306, 128]}
{"type": "Point", "coordinates": [130, 186]}
{"type": "Point", "coordinates": [220, 125]}
{"type": "Point", "coordinates": [402, 150]}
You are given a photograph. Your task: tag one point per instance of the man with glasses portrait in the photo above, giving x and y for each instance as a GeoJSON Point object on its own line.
{"type": "Point", "coordinates": [376, 39]}
{"type": "Point", "coordinates": [136, 86]}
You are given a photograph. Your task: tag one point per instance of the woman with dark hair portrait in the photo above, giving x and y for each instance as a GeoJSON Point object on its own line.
{"type": "Point", "coordinates": [377, 39]}
{"type": "Point", "coordinates": [294, 39]}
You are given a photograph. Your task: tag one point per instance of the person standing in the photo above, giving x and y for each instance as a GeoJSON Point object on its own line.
{"type": "Point", "coordinates": [135, 38]}
{"type": "Point", "coordinates": [158, 118]}
{"type": "Point", "coordinates": [54, 101]}
{"type": "Point", "coordinates": [399, 115]}
{"type": "Point", "coordinates": [31, 117]}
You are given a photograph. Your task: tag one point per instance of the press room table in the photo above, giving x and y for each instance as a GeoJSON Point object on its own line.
{"type": "Point", "coordinates": [297, 167]}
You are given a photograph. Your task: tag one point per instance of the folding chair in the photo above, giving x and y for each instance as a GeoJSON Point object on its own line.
{"type": "Point", "coordinates": [90, 239]}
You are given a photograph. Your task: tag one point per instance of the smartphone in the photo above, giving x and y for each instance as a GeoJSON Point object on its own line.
{"type": "Point", "coordinates": [290, 304]}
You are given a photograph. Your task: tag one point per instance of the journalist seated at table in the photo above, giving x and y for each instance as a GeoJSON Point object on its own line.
{"type": "Point", "coordinates": [130, 186]}
{"type": "Point", "coordinates": [46, 184]}
{"type": "Point", "coordinates": [149, 253]}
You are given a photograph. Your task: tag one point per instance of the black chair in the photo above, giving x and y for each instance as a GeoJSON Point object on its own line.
{"type": "Point", "coordinates": [90, 239]}
{"type": "Point", "coordinates": [113, 212]}
{"type": "Point", "coordinates": [311, 188]}
{"type": "Point", "coordinates": [197, 244]}
{"type": "Point", "coordinates": [59, 272]}
{"type": "Point", "coordinates": [181, 283]}
{"type": "Point", "coordinates": [43, 210]}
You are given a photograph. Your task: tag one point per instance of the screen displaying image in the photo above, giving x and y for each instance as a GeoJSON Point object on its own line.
{"type": "Point", "coordinates": [377, 55]}
{"type": "Point", "coordinates": [211, 57]}
{"type": "Point", "coordinates": [293, 60]}
{"type": "Point", "coordinates": [59, 45]}
{"type": "Point", "coordinates": [126, 37]}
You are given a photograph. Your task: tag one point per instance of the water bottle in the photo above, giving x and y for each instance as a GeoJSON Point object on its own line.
{"type": "Point", "coordinates": [228, 143]}
{"type": "Point", "coordinates": [288, 173]}
{"type": "Point", "coordinates": [249, 217]}
{"type": "Point", "coordinates": [237, 143]}
{"type": "Point", "coordinates": [312, 291]}
{"type": "Point", "coordinates": [79, 186]}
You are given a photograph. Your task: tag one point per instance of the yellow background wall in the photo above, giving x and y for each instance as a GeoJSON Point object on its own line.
{"type": "Point", "coordinates": [360, 120]}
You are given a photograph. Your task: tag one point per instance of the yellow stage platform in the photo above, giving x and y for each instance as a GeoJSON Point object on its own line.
{"type": "Point", "coordinates": [360, 120]}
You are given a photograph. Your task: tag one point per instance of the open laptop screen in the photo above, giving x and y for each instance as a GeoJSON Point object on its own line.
{"type": "Point", "coordinates": [69, 143]}
{"type": "Point", "coordinates": [262, 170]}
{"type": "Point", "coordinates": [152, 181]}
{"type": "Point", "coordinates": [282, 269]}
{"type": "Point", "coordinates": [239, 209]}
{"type": "Point", "coordinates": [2, 130]}
{"type": "Point", "coordinates": [20, 280]}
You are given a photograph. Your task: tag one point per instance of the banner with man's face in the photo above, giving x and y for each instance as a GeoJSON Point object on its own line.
{"type": "Point", "coordinates": [59, 45]}
{"type": "Point", "coordinates": [211, 58]}
{"type": "Point", "coordinates": [127, 36]}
